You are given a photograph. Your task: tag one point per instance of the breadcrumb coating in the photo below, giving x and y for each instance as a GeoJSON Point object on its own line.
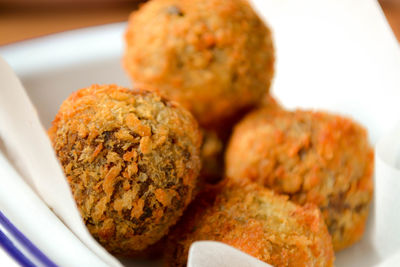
{"type": "Point", "coordinates": [257, 221]}
{"type": "Point", "coordinates": [214, 57]}
{"type": "Point", "coordinates": [314, 157]}
{"type": "Point", "coordinates": [132, 160]}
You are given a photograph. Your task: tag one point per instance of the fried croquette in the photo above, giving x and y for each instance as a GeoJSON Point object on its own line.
{"type": "Point", "coordinates": [253, 219]}
{"type": "Point", "coordinates": [214, 57]}
{"type": "Point", "coordinates": [313, 157]}
{"type": "Point", "coordinates": [132, 160]}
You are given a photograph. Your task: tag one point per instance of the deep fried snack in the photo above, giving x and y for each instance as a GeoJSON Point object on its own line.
{"type": "Point", "coordinates": [255, 220]}
{"type": "Point", "coordinates": [214, 57]}
{"type": "Point", "coordinates": [314, 157]}
{"type": "Point", "coordinates": [132, 160]}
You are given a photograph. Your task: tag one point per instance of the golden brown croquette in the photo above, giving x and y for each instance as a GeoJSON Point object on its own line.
{"type": "Point", "coordinates": [214, 57]}
{"type": "Point", "coordinates": [313, 157]}
{"type": "Point", "coordinates": [132, 160]}
{"type": "Point", "coordinates": [253, 219]}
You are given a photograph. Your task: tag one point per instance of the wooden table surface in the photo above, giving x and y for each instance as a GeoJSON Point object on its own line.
{"type": "Point", "coordinates": [18, 23]}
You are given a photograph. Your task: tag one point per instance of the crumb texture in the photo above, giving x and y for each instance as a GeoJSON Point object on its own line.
{"type": "Point", "coordinates": [314, 157]}
{"type": "Point", "coordinates": [132, 161]}
{"type": "Point", "coordinates": [214, 57]}
{"type": "Point", "coordinates": [255, 220]}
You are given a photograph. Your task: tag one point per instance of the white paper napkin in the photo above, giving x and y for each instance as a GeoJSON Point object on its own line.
{"type": "Point", "coordinates": [30, 150]}
{"type": "Point", "coordinates": [336, 55]}
{"type": "Point", "coordinates": [387, 195]}
{"type": "Point", "coordinates": [217, 254]}
{"type": "Point", "coordinates": [31, 215]}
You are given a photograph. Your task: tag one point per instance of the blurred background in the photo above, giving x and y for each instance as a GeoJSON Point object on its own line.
{"type": "Point", "coordinates": [25, 19]}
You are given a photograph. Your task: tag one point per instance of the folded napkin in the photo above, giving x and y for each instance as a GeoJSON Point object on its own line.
{"type": "Point", "coordinates": [217, 254]}
{"type": "Point", "coordinates": [387, 197]}
{"type": "Point", "coordinates": [28, 147]}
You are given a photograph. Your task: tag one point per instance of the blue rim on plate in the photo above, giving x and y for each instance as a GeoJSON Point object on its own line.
{"type": "Point", "coordinates": [30, 250]}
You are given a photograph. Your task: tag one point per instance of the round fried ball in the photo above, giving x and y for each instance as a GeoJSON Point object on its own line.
{"type": "Point", "coordinates": [131, 159]}
{"type": "Point", "coordinates": [215, 57]}
{"type": "Point", "coordinates": [253, 219]}
{"type": "Point", "coordinates": [313, 157]}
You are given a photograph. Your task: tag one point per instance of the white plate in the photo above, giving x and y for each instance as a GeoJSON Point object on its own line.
{"type": "Point", "coordinates": [337, 55]}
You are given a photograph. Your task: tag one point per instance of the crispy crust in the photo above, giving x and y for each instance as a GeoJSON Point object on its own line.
{"type": "Point", "coordinates": [314, 157]}
{"type": "Point", "coordinates": [214, 57]}
{"type": "Point", "coordinates": [256, 221]}
{"type": "Point", "coordinates": [132, 161]}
